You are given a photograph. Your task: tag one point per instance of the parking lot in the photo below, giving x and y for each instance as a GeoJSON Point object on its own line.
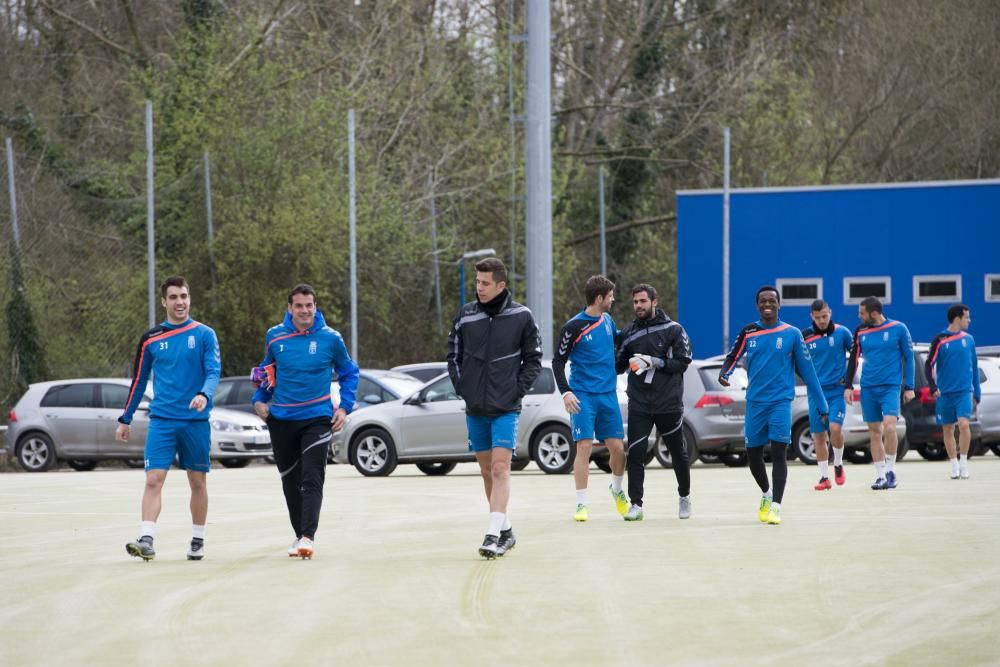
{"type": "Point", "coordinates": [851, 577]}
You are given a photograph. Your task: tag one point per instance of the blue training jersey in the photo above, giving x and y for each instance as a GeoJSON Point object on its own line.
{"type": "Point", "coordinates": [829, 349]}
{"type": "Point", "coordinates": [588, 343]}
{"type": "Point", "coordinates": [773, 355]}
{"type": "Point", "coordinates": [304, 361]}
{"type": "Point", "coordinates": [184, 361]}
{"type": "Point", "coordinates": [888, 352]}
{"type": "Point", "coordinates": [951, 364]}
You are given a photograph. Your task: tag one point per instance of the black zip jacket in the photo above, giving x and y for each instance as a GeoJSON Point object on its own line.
{"type": "Point", "coordinates": [494, 359]}
{"type": "Point", "coordinates": [662, 338]}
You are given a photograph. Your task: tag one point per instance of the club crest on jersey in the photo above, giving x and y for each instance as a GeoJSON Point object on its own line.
{"type": "Point", "coordinates": [885, 335]}
{"type": "Point", "coordinates": [963, 343]}
{"type": "Point", "coordinates": [780, 342]}
{"type": "Point", "coordinates": [312, 347]}
{"type": "Point", "coordinates": [190, 342]}
{"type": "Point", "coordinates": [829, 341]}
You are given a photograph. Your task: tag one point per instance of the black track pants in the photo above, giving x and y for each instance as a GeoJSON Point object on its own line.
{"type": "Point", "coordinates": [668, 426]}
{"type": "Point", "coordinates": [300, 449]}
{"type": "Point", "coordinates": [779, 468]}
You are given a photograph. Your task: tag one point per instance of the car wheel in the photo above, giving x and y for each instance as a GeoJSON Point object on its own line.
{"type": "Point", "coordinates": [735, 459]}
{"type": "Point", "coordinates": [436, 469]}
{"type": "Point", "coordinates": [710, 457]}
{"type": "Point", "coordinates": [519, 464]}
{"type": "Point", "coordinates": [996, 448]}
{"type": "Point", "coordinates": [803, 446]}
{"type": "Point", "coordinates": [933, 451]}
{"type": "Point", "coordinates": [135, 463]}
{"type": "Point", "coordinates": [374, 453]}
{"type": "Point", "coordinates": [858, 455]}
{"type": "Point", "coordinates": [902, 448]}
{"type": "Point", "coordinates": [36, 453]}
{"type": "Point", "coordinates": [663, 454]}
{"type": "Point", "coordinates": [235, 463]}
{"type": "Point", "coordinates": [553, 450]}
{"type": "Point", "coordinates": [81, 465]}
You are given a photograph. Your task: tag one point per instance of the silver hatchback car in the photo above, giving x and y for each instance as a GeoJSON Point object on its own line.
{"type": "Point", "coordinates": [428, 429]}
{"type": "Point", "coordinates": [75, 421]}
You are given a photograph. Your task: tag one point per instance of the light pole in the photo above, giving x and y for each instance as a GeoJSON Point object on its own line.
{"type": "Point", "coordinates": [485, 252]}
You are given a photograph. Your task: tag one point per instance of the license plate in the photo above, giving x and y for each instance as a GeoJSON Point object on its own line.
{"type": "Point", "coordinates": [262, 440]}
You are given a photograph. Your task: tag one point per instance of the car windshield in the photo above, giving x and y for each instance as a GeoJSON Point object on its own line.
{"type": "Point", "coordinates": [400, 384]}
{"type": "Point", "coordinates": [710, 377]}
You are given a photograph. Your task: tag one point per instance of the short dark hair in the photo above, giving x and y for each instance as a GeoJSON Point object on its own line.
{"type": "Point", "coordinates": [818, 305]}
{"type": "Point", "coordinates": [173, 281]}
{"type": "Point", "coordinates": [958, 310]}
{"type": "Point", "coordinates": [767, 288]}
{"type": "Point", "coordinates": [597, 286]}
{"type": "Point", "coordinates": [302, 288]}
{"type": "Point", "coordinates": [495, 266]}
{"type": "Point", "coordinates": [647, 288]}
{"type": "Point", "coordinates": [871, 304]}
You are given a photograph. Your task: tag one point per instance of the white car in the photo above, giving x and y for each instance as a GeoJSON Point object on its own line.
{"type": "Point", "coordinates": [428, 428]}
{"type": "Point", "coordinates": [75, 421]}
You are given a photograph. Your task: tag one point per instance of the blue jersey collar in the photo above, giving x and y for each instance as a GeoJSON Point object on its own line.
{"type": "Point", "coordinates": [167, 325]}
{"type": "Point", "coordinates": [318, 323]}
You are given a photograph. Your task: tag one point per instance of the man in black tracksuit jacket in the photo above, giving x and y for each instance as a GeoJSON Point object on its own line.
{"type": "Point", "coordinates": [494, 356]}
{"type": "Point", "coordinates": [656, 351]}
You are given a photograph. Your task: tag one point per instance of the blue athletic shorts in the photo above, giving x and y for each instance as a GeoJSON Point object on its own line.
{"type": "Point", "coordinates": [485, 433]}
{"type": "Point", "coordinates": [879, 401]}
{"type": "Point", "coordinates": [953, 406]}
{"type": "Point", "coordinates": [190, 441]}
{"type": "Point", "coordinates": [599, 417]}
{"type": "Point", "coordinates": [765, 422]}
{"type": "Point", "coordinates": [835, 399]}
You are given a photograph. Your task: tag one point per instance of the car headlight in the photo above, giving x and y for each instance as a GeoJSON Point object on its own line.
{"type": "Point", "coordinates": [229, 427]}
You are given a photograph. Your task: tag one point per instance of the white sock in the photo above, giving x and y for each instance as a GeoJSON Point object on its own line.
{"type": "Point", "coordinates": [581, 496]}
{"type": "Point", "coordinates": [506, 522]}
{"type": "Point", "coordinates": [198, 531]}
{"type": "Point", "coordinates": [496, 521]}
{"type": "Point", "coordinates": [963, 459]}
{"type": "Point", "coordinates": [769, 494]}
{"type": "Point", "coordinates": [838, 456]}
{"type": "Point", "coordinates": [824, 469]}
{"type": "Point", "coordinates": [954, 463]}
{"type": "Point", "coordinates": [616, 482]}
{"type": "Point", "coordinates": [880, 469]}
{"type": "Point", "coordinates": [776, 506]}
{"type": "Point", "coordinates": [890, 462]}
{"type": "Point", "coordinates": [147, 528]}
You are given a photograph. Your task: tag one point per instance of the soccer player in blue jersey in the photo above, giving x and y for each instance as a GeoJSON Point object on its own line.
{"type": "Point", "coordinates": [587, 342]}
{"type": "Point", "coordinates": [829, 344]}
{"type": "Point", "coordinates": [774, 352]}
{"type": "Point", "coordinates": [183, 357]}
{"type": "Point", "coordinates": [300, 355]}
{"type": "Point", "coordinates": [953, 379]}
{"type": "Point", "coordinates": [888, 352]}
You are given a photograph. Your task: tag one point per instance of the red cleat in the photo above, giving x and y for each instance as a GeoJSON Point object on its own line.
{"type": "Point", "coordinates": [838, 475]}
{"type": "Point", "coordinates": [823, 484]}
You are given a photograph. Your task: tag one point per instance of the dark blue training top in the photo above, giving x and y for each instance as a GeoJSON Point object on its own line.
{"type": "Point", "coordinates": [773, 355]}
{"type": "Point", "coordinates": [303, 361]}
{"type": "Point", "coordinates": [588, 343]}
{"type": "Point", "coordinates": [184, 360]}
{"type": "Point", "coordinates": [951, 364]}
{"type": "Point", "coordinates": [829, 349]}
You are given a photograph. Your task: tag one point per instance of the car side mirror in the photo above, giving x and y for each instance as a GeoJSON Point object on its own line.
{"type": "Point", "coordinates": [372, 399]}
{"type": "Point", "coordinates": [416, 399]}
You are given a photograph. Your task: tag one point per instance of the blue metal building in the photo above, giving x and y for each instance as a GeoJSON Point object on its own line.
{"type": "Point", "coordinates": [920, 247]}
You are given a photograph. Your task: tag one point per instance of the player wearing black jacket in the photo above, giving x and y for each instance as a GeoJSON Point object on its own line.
{"type": "Point", "coordinates": [494, 356]}
{"type": "Point", "coordinates": [656, 351]}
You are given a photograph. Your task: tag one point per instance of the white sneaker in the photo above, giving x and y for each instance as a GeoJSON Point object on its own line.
{"type": "Point", "coordinates": [305, 548]}
{"type": "Point", "coordinates": [964, 472]}
{"type": "Point", "coordinates": [954, 473]}
{"type": "Point", "coordinates": [293, 551]}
